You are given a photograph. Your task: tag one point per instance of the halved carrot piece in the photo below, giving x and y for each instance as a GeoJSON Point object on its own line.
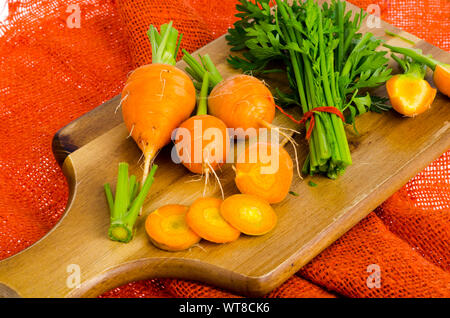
{"type": "Point", "coordinates": [269, 176]}
{"type": "Point", "coordinates": [205, 220]}
{"type": "Point", "coordinates": [441, 78]}
{"type": "Point", "coordinates": [410, 95]}
{"type": "Point", "coordinates": [249, 214]}
{"type": "Point", "coordinates": [168, 229]}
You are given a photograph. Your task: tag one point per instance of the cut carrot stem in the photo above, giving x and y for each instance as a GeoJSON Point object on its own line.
{"type": "Point", "coordinates": [204, 219]}
{"type": "Point", "coordinates": [249, 214]}
{"type": "Point", "coordinates": [168, 230]}
{"type": "Point", "coordinates": [125, 207]}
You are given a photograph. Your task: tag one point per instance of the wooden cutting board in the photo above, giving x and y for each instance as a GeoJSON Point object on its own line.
{"type": "Point", "coordinates": [388, 152]}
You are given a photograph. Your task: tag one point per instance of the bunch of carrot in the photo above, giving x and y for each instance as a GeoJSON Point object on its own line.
{"type": "Point", "coordinates": [158, 100]}
{"type": "Point", "coordinates": [246, 105]}
{"type": "Point", "coordinates": [240, 102]}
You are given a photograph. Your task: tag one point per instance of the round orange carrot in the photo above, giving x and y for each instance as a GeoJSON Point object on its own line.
{"type": "Point", "coordinates": [267, 175]}
{"type": "Point", "coordinates": [249, 214]}
{"type": "Point", "coordinates": [168, 230]}
{"type": "Point", "coordinates": [210, 135]}
{"type": "Point", "coordinates": [242, 101]}
{"type": "Point", "coordinates": [157, 97]}
{"type": "Point", "coordinates": [207, 143]}
{"type": "Point", "coordinates": [204, 219]}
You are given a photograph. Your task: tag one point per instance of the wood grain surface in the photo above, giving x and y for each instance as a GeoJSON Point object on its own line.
{"type": "Point", "coordinates": [388, 152]}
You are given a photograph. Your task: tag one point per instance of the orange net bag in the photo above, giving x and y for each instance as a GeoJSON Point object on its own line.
{"type": "Point", "coordinates": [51, 74]}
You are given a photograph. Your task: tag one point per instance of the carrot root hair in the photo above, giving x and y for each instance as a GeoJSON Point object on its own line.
{"type": "Point", "coordinates": [211, 170]}
{"type": "Point", "coordinates": [287, 138]}
{"type": "Point", "coordinates": [121, 101]}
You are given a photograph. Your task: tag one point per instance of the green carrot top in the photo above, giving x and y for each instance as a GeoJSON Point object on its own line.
{"type": "Point", "coordinates": [165, 45]}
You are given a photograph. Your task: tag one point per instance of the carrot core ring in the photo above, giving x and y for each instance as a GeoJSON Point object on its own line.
{"type": "Point", "coordinates": [249, 214]}
{"type": "Point", "coordinates": [168, 230]}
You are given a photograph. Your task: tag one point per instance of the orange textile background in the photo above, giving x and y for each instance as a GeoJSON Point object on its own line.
{"type": "Point", "coordinates": [51, 74]}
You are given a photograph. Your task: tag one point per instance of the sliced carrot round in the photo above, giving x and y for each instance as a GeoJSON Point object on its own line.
{"type": "Point", "coordinates": [168, 229]}
{"type": "Point", "coordinates": [205, 220]}
{"type": "Point", "coordinates": [249, 214]}
{"type": "Point", "coordinates": [268, 175]}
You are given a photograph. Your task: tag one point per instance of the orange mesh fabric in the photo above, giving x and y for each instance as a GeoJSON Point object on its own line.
{"type": "Point", "coordinates": [51, 74]}
{"type": "Point", "coordinates": [200, 21]}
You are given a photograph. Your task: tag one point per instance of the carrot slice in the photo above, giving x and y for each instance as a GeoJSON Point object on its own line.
{"type": "Point", "coordinates": [205, 220]}
{"type": "Point", "coordinates": [249, 214]}
{"type": "Point", "coordinates": [168, 230]}
{"type": "Point", "coordinates": [268, 176]}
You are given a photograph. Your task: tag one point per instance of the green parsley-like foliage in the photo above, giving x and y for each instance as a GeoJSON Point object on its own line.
{"type": "Point", "coordinates": [327, 60]}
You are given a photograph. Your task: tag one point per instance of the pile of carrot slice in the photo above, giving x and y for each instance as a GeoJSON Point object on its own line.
{"type": "Point", "coordinates": [176, 227]}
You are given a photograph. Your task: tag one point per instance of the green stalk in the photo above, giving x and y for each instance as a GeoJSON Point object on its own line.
{"type": "Point", "coordinates": [133, 213]}
{"type": "Point", "coordinates": [328, 130]}
{"type": "Point", "coordinates": [356, 25]}
{"type": "Point", "coordinates": [411, 67]}
{"type": "Point", "coordinates": [165, 45]}
{"type": "Point", "coordinates": [336, 101]}
{"type": "Point", "coordinates": [323, 64]}
{"type": "Point", "coordinates": [197, 70]}
{"type": "Point", "coordinates": [131, 188]}
{"type": "Point", "coordinates": [415, 55]}
{"type": "Point", "coordinates": [340, 23]}
{"type": "Point", "coordinates": [395, 35]}
{"type": "Point", "coordinates": [211, 68]}
{"type": "Point", "coordinates": [202, 108]}
{"type": "Point", "coordinates": [121, 199]}
{"type": "Point", "coordinates": [348, 64]}
{"type": "Point", "coordinates": [126, 205]}
{"type": "Point", "coordinates": [109, 197]}
{"type": "Point", "coordinates": [290, 37]}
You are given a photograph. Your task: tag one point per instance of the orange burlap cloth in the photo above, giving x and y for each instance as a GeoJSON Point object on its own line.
{"type": "Point", "coordinates": [51, 74]}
